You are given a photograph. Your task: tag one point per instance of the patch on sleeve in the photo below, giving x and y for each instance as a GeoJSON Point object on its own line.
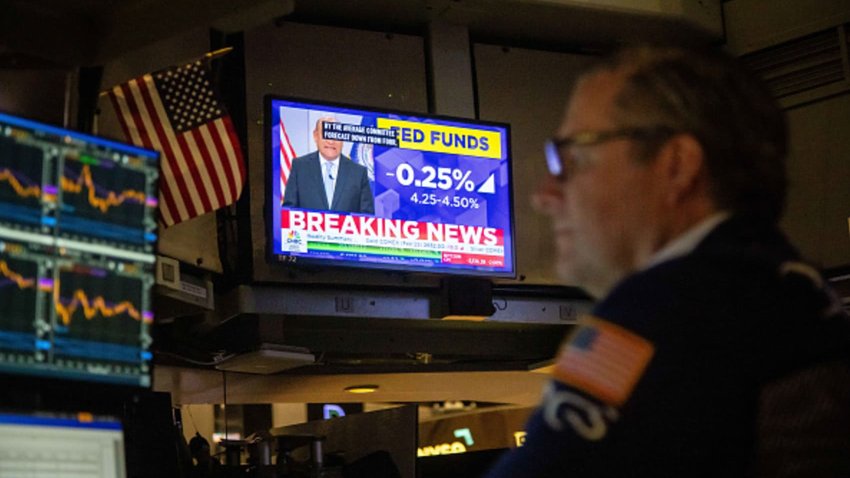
{"type": "Point", "coordinates": [603, 359]}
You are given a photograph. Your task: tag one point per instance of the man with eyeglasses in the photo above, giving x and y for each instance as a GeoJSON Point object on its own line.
{"type": "Point", "coordinates": [713, 350]}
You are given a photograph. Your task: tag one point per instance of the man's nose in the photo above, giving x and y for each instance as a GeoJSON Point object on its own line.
{"type": "Point", "coordinates": [549, 197]}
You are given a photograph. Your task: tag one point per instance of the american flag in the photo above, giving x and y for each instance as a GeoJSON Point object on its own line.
{"type": "Point", "coordinates": [603, 359]}
{"type": "Point", "coordinates": [176, 112]}
{"type": "Point", "coordinates": [287, 154]}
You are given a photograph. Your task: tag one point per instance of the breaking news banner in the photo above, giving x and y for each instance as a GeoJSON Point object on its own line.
{"type": "Point", "coordinates": [440, 187]}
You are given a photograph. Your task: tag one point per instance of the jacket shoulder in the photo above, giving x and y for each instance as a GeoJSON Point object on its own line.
{"type": "Point", "coordinates": [351, 165]}
{"type": "Point", "coordinates": [305, 158]}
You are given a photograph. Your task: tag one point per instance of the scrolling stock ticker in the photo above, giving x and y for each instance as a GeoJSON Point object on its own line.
{"type": "Point", "coordinates": [441, 191]}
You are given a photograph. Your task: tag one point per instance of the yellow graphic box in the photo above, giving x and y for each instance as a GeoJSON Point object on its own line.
{"type": "Point", "coordinates": [438, 138]}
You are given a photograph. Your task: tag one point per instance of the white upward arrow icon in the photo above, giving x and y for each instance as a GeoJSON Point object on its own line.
{"type": "Point", "coordinates": [489, 186]}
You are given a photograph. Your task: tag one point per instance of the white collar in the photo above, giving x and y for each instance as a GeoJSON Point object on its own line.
{"type": "Point", "coordinates": [686, 242]}
{"type": "Point", "coordinates": [334, 164]}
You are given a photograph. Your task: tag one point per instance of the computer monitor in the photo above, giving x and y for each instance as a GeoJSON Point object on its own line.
{"type": "Point", "coordinates": [61, 445]}
{"type": "Point", "coordinates": [77, 243]}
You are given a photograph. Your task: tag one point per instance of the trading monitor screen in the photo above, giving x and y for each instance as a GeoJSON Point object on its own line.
{"type": "Point", "coordinates": [360, 187]}
{"type": "Point", "coordinates": [61, 446]}
{"type": "Point", "coordinates": [77, 242]}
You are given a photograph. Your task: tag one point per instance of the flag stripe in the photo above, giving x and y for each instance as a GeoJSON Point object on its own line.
{"type": "Point", "coordinates": [287, 154]}
{"type": "Point", "coordinates": [125, 119]}
{"type": "Point", "coordinates": [174, 157]}
{"type": "Point", "coordinates": [607, 390]}
{"type": "Point", "coordinates": [613, 351]}
{"type": "Point", "coordinates": [234, 152]}
{"type": "Point", "coordinates": [116, 95]}
{"type": "Point", "coordinates": [196, 160]}
{"type": "Point", "coordinates": [190, 173]}
{"type": "Point", "coordinates": [213, 160]}
{"type": "Point", "coordinates": [230, 158]}
{"type": "Point", "coordinates": [286, 147]}
{"type": "Point", "coordinates": [178, 192]}
{"type": "Point", "coordinates": [209, 158]}
{"type": "Point", "coordinates": [217, 163]}
{"type": "Point", "coordinates": [576, 360]}
{"type": "Point", "coordinates": [170, 193]}
{"type": "Point", "coordinates": [597, 375]}
{"type": "Point", "coordinates": [604, 360]}
{"type": "Point", "coordinates": [223, 151]}
{"type": "Point", "coordinates": [173, 182]}
{"type": "Point", "coordinates": [581, 365]}
{"type": "Point", "coordinates": [136, 124]}
{"type": "Point", "coordinates": [206, 158]}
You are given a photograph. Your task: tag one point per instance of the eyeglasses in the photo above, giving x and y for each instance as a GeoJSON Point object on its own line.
{"type": "Point", "coordinates": [561, 166]}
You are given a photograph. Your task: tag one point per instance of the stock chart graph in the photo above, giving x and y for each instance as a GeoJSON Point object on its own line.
{"type": "Point", "coordinates": [112, 196]}
{"type": "Point", "coordinates": [18, 285]}
{"type": "Point", "coordinates": [19, 187]}
{"type": "Point", "coordinates": [98, 305]}
{"type": "Point", "coordinates": [100, 314]}
{"type": "Point", "coordinates": [24, 193]}
{"type": "Point", "coordinates": [77, 236]}
{"type": "Point", "coordinates": [90, 198]}
{"type": "Point", "coordinates": [25, 302]}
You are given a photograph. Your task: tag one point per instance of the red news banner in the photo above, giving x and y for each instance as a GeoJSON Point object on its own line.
{"type": "Point", "coordinates": [456, 244]}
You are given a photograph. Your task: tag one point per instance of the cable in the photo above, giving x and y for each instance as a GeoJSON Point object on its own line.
{"type": "Point", "coordinates": [501, 307]}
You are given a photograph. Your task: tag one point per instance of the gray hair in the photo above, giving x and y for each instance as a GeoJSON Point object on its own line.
{"type": "Point", "coordinates": [709, 94]}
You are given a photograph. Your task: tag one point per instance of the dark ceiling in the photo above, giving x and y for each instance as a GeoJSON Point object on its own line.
{"type": "Point", "coordinates": [51, 33]}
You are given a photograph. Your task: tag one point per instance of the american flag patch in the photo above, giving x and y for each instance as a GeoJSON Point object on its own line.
{"type": "Point", "coordinates": [603, 359]}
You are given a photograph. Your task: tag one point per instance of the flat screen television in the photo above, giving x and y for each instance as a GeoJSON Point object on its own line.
{"type": "Point", "coordinates": [77, 251]}
{"type": "Point", "coordinates": [404, 192]}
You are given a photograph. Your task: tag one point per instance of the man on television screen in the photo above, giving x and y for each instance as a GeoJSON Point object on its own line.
{"type": "Point", "coordinates": [328, 180]}
{"type": "Point", "coordinates": [714, 349]}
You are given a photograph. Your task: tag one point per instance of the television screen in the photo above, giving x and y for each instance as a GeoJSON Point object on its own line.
{"type": "Point", "coordinates": [360, 187]}
{"type": "Point", "coordinates": [77, 237]}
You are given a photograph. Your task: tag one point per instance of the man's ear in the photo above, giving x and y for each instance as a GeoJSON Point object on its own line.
{"type": "Point", "coordinates": [683, 163]}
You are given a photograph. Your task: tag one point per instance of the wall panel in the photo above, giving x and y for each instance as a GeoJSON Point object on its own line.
{"type": "Point", "coordinates": [528, 89]}
{"type": "Point", "coordinates": [819, 176]}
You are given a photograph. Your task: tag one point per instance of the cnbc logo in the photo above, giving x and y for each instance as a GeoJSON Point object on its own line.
{"type": "Point", "coordinates": [294, 237]}
{"type": "Point", "coordinates": [293, 241]}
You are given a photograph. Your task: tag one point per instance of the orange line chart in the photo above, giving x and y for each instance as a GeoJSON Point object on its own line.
{"type": "Point", "coordinates": [91, 308]}
{"type": "Point", "coordinates": [21, 281]}
{"type": "Point", "coordinates": [101, 203]}
{"type": "Point", "coordinates": [21, 190]}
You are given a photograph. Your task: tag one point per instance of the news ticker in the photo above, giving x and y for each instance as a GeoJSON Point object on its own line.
{"type": "Point", "coordinates": [310, 231]}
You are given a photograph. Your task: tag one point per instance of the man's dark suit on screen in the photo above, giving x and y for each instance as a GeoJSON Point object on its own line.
{"type": "Point", "coordinates": [305, 188]}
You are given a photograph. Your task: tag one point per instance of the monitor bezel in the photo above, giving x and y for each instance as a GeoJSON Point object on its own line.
{"type": "Point", "coordinates": [285, 262]}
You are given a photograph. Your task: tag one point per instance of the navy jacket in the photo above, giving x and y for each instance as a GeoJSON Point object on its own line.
{"type": "Point", "coordinates": [305, 188]}
{"type": "Point", "coordinates": [735, 331]}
